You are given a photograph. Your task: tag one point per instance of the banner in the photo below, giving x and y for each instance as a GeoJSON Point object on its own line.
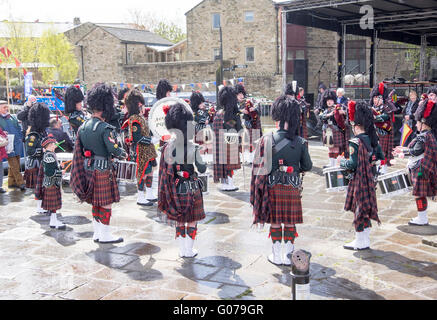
{"type": "Point", "coordinates": [28, 79]}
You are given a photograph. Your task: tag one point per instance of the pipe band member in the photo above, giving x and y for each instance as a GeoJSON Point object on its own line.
{"type": "Point", "coordinates": [93, 178]}
{"type": "Point", "coordinates": [48, 187]}
{"type": "Point", "coordinates": [276, 187]}
{"type": "Point", "coordinates": [335, 129]}
{"type": "Point", "coordinates": [227, 154]}
{"type": "Point", "coordinates": [252, 120]}
{"type": "Point", "coordinates": [423, 151]}
{"type": "Point", "coordinates": [73, 108]}
{"type": "Point", "coordinates": [365, 152]}
{"type": "Point", "coordinates": [39, 117]}
{"type": "Point", "coordinates": [180, 190]}
{"type": "Point", "coordinates": [142, 151]}
{"type": "Point", "coordinates": [383, 110]}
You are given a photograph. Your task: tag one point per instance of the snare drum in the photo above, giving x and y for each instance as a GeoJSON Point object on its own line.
{"type": "Point", "coordinates": [336, 179]}
{"type": "Point", "coordinates": [126, 171]}
{"type": "Point", "coordinates": [395, 183]}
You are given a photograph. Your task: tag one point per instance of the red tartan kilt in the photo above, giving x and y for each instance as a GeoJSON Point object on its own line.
{"type": "Point", "coordinates": [195, 211]}
{"type": "Point", "coordinates": [285, 205]}
{"type": "Point", "coordinates": [52, 199]}
{"type": "Point", "coordinates": [105, 190]}
{"type": "Point", "coordinates": [387, 145]}
{"type": "Point", "coordinates": [30, 177]}
{"type": "Point", "coordinates": [422, 187]}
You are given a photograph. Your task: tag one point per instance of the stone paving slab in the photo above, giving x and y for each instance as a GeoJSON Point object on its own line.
{"type": "Point", "coordinates": [39, 263]}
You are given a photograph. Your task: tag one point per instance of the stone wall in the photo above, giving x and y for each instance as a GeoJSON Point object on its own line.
{"type": "Point", "coordinates": [237, 34]}
{"type": "Point", "coordinates": [176, 72]}
{"type": "Point", "coordinates": [103, 56]}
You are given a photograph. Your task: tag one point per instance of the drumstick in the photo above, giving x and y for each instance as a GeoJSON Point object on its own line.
{"type": "Point", "coordinates": [59, 145]}
{"type": "Point", "coordinates": [71, 162]}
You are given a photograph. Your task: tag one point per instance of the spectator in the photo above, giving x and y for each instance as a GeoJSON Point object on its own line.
{"type": "Point", "coordinates": [409, 112]}
{"type": "Point", "coordinates": [9, 124]}
{"type": "Point", "coordinates": [3, 156]}
{"type": "Point", "coordinates": [23, 114]}
{"type": "Point", "coordinates": [341, 99]}
{"type": "Point", "coordinates": [55, 130]}
{"type": "Point", "coordinates": [319, 103]}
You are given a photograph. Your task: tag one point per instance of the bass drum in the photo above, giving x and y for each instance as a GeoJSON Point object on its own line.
{"type": "Point", "coordinates": [157, 117]}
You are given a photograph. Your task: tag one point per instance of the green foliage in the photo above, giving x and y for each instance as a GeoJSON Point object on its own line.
{"type": "Point", "coordinates": [170, 31]}
{"type": "Point", "coordinates": [57, 51]}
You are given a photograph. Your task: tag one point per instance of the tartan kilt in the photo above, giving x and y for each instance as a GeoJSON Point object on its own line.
{"type": "Point", "coordinates": [105, 188]}
{"type": "Point", "coordinates": [192, 205]}
{"type": "Point", "coordinates": [52, 198]}
{"type": "Point", "coordinates": [422, 186]}
{"type": "Point", "coordinates": [30, 177]}
{"type": "Point", "coordinates": [222, 171]}
{"type": "Point", "coordinates": [387, 145]}
{"type": "Point", "coordinates": [285, 205]}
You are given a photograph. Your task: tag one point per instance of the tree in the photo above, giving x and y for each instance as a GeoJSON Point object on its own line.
{"type": "Point", "coordinates": [149, 22]}
{"type": "Point", "coordinates": [57, 51]}
{"type": "Point", "coordinates": [170, 32]}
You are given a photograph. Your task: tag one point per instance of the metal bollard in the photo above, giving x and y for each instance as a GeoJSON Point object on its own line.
{"type": "Point", "coordinates": [300, 273]}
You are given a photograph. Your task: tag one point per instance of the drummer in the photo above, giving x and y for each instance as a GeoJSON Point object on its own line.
{"type": "Point", "coordinates": [180, 194]}
{"type": "Point", "coordinates": [226, 155]}
{"type": "Point", "coordinates": [92, 176]}
{"type": "Point", "coordinates": [142, 151]}
{"type": "Point", "coordinates": [423, 163]}
{"type": "Point", "coordinates": [364, 151]}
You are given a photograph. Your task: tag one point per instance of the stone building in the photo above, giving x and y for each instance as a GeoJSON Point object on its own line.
{"type": "Point", "coordinates": [252, 36]}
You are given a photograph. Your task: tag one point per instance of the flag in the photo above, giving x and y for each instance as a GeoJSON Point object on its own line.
{"type": "Point", "coordinates": [175, 87]}
{"type": "Point", "coordinates": [183, 87]}
{"type": "Point", "coordinates": [406, 132]}
{"type": "Point", "coordinates": [192, 85]}
{"type": "Point", "coordinates": [17, 63]}
{"type": "Point", "coordinates": [24, 71]}
{"type": "Point", "coordinates": [199, 85]}
{"type": "Point", "coordinates": [6, 52]}
{"type": "Point", "coordinates": [232, 81]}
{"type": "Point", "coordinates": [207, 85]}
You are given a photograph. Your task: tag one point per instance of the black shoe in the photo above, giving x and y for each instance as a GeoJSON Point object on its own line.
{"type": "Point", "coordinates": [152, 200]}
{"type": "Point", "coordinates": [22, 187]}
{"type": "Point", "coordinates": [149, 204]}
{"type": "Point", "coordinates": [2, 190]}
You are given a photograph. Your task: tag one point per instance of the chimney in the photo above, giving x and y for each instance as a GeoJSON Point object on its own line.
{"type": "Point", "coordinates": [76, 21]}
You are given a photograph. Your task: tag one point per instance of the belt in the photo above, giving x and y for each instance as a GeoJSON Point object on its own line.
{"type": "Point", "coordinates": [97, 162]}
{"type": "Point", "coordinates": [414, 162]}
{"type": "Point", "coordinates": [183, 187]}
{"type": "Point", "coordinates": [285, 179]}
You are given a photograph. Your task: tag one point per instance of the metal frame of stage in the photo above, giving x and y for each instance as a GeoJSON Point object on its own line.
{"type": "Point", "coordinates": [411, 22]}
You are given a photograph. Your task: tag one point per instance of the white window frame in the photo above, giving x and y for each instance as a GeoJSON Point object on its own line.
{"type": "Point", "coordinates": [212, 22]}
{"type": "Point", "coordinates": [245, 16]}
{"type": "Point", "coordinates": [247, 61]}
{"type": "Point", "coordinates": [213, 54]}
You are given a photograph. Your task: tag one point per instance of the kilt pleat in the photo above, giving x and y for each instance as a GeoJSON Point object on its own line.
{"type": "Point", "coordinates": [285, 205]}
{"type": "Point", "coordinates": [52, 198]}
{"type": "Point", "coordinates": [422, 186]}
{"type": "Point", "coordinates": [192, 207]}
{"type": "Point", "coordinates": [104, 188]}
{"type": "Point", "coordinates": [387, 145]}
{"type": "Point", "coordinates": [31, 177]}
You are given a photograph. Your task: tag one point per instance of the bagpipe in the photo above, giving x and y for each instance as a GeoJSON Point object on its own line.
{"type": "Point", "coordinates": [251, 118]}
{"type": "Point", "coordinates": [384, 125]}
{"type": "Point", "coordinates": [340, 119]}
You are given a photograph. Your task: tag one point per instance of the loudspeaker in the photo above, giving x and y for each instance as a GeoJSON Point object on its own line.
{"type": "Point", "coordinates": [301, 73]}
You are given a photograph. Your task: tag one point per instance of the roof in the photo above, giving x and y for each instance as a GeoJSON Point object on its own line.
{"type": "Point", "coordinates": [137, 36]}
{"type": "Point", "coordinates": [395, 20]}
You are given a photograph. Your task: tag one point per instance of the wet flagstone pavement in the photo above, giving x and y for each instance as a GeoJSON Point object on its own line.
{"type": "Point", "coordinates": [39, 263]}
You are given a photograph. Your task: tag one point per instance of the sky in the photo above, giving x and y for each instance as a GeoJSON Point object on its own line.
{"type": "Point", "coordinates": [99, 11]}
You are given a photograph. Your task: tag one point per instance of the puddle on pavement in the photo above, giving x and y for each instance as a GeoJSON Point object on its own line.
{"type": "Point", "coordinates": [126, 259]}
{"type": "Point", "coordinates": [215, 218]}
{"type": "Point", "coordinates": [67, 237]}
{"type": "Point", "coordinates": [429, 230]}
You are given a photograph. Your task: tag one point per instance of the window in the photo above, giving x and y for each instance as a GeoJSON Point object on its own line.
{"type": "Point", "coordinates": [300, 54]}
{"type": "Point", "coordinates": [356, 56]}
{"type": "Point", "coordinates": [249, 16]}
{"type": "Point", "coordinates": [290, 54]}
{"type": "Point", "coordinates": [216, 20]}
{"type": "Point", "coordinates": [408, 55]}
{"type": "Point", "coordinates": [129, 57]}
{"type": "Point", "coordinates": [216, 54]}
{"type": "Point", "coordinates": [250, 54]}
